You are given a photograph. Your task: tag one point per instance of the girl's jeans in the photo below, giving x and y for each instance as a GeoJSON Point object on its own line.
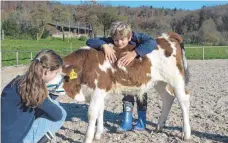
{"type": "Point", "coordinates": [42, 125]}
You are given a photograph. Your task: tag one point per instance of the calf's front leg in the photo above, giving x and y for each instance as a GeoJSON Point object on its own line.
{"type": "Point", "coordinates": [100, 121]}
{"type": "Point", "coordinates": [96, 104]}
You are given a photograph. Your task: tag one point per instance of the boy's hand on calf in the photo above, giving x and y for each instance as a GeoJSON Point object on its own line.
{"type": "Point", "coordinates": [127, 58]}
{"type": "Point", "coordinates": [109, 53]}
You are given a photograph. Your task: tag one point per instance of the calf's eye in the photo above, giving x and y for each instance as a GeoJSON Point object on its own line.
{"type": "Point", "coordinates": [66, 78]}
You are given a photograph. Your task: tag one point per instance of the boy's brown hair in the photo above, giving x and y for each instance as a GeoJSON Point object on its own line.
{"type": "Point", "coordinates": [31, 87]}
{"type": "Point", "coordinates": [120, 29]}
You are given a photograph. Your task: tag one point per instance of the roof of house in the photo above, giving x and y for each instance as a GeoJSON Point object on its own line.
{"type": "Point", "coordinates": [72, 26]}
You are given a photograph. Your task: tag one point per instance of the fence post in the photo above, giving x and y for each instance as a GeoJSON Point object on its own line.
{"type": "Point", "coordinates": [203, 53]}
{"type": "Point", "coordinates": [17, 57]}
{"type": "Point", "coordinates": [78, 28]}
{"type": "Point", "coordinates": [2, 34]}
{"type": "Point", "coordinates": [31, 55]}
{"type": "Point", "coordinates": [37, 38]}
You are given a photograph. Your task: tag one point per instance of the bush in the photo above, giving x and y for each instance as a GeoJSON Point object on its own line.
{"type": "Point", "coordinates": [46, 34]}
{"type": "Point", "coordinates": [11, 28]}
{"type": "Point", "coordinates": [82, 38]}
{"type": "Point", "coordinates": [15, 30]}
{"type": "Point", "coordinates": [221, 42]}
{"type": "Point", "coordinates": [209, 34]}
{"type": "Point", "coordinates": [192, 37]}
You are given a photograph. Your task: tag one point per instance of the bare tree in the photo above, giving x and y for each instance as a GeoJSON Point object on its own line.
{"type": "Point", "coordinates": [107, 16]}
{"type": "Point", "coordinates": [61, 15]}
{"type": "Point", "coordinates": [40, 16]}
{"type": "Point", "coordinates": [93, 20]}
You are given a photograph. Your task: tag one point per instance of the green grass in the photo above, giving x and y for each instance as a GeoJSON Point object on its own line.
{"type": "Point", "coordinates": [25, 47]}
{"type": "Point", "coordinates": [197, 45]}
{"type": "Point", "coordinates": [55, 44]}
{"type": "Point", "coordinates": [210, 52]}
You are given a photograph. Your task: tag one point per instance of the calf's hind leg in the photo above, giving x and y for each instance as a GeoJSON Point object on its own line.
{"type": "Point", "coordinates": [167, 101]}
{"type": "Point", "coordinates": [184, 102]}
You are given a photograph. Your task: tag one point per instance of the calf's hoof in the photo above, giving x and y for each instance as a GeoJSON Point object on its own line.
{"type": "Point", "coordinates": [158, 129]}
{"type": "Point", "coordinates": [88, 140]}
{"type": "Point", "coordinates": [98, 136]}
{"type": "Point", "coordinates": [186, 138]}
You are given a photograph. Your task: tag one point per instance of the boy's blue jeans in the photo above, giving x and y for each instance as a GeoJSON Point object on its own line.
{"type": "Point", "coordinates": [42, 125]}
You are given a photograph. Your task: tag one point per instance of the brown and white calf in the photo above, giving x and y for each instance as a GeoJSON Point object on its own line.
{"type": "Point", "coordinates": [89, 77]}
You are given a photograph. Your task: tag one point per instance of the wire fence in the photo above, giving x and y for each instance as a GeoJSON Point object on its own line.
{"type": "Point", "coordinates": [22, 57]}
{"type": "Point", "coordinates": [207, 52]}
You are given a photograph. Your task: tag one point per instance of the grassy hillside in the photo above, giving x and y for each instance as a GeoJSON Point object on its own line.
{"type": "Point", "coordinates": [29, 48]}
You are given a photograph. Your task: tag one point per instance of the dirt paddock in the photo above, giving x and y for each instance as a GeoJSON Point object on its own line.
{"type": "Point", "coordinates": [208, 110]}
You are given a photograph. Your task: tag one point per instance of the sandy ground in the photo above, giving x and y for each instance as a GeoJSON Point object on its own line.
{"type": "Point", "coordinates": [208, 110]}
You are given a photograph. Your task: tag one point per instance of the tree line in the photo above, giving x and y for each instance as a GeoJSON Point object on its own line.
{"type": "Point", "coordinates": [28, 19]}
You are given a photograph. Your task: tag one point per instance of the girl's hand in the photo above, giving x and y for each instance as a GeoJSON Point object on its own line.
{"type": "Point", "coordinates": [127, 58]}
{"type": "Point", "coordinates": [109, 53]}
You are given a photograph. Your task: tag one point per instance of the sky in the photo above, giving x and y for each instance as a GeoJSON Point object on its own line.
{"type": "Point", "coordinates": [186, 5]}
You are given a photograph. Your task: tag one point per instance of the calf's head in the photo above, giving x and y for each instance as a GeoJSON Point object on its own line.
{"type": "Point", "coordinates": [71, 82]}
{"type": "Point", "coordinates": [67, 82]}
